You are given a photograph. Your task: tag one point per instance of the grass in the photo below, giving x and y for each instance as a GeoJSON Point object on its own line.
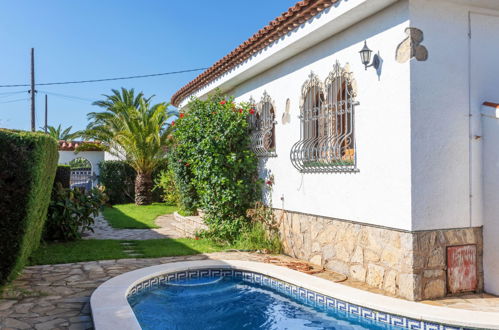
{"type": "Point", "coordinates": [133, 216]}
{"type": "Point", "coordinates": [83, 250]}
{"type": "Point", "coordinates": [91, 250]}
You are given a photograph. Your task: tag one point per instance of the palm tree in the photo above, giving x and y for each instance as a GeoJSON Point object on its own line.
{"type": "Point", "coordinates": [59, 134]}
{"type": "Point", "coordinates": [133, 128]}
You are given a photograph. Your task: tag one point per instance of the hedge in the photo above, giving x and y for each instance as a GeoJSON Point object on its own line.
{"type": "Point", "coordinates": [63, 176]}
{"type": "Point", "coordinates": [119, 179]}
{"type": "Point", "coordinates": [28, 163]}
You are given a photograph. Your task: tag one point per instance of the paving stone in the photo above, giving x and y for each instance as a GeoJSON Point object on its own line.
{"type": "Point", "coordinates": [102, 230]}
{"type": "Point", "coordinates": [50, 325]}
{"type": "Point", "coordinates": [6, 304]}
{"type": "Point", "coordinates": [81, 326]}
{"type": "Point", "coordinates": [83, 318]}
{"type": "Point", "coordinates": [13, 323]}
{"type": "Point", "coordinates": [23, 308]}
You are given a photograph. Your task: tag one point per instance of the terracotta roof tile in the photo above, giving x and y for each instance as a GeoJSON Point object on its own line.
{"type": "Point", "coordinates": [491, 104]}
{"type": "Point", "coordinates": [287, 21]}
{"type": "Point", "coordinates": [72, 145]}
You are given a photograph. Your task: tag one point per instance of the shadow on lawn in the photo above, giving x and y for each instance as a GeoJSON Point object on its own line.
{"type": "Point", "coordinates": [175, 247]}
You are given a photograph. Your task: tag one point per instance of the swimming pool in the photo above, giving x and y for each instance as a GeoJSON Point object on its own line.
{"type": "Point", "coordinates": [228, 302]}
{"type": "Point", "coordinates": [234, 294]}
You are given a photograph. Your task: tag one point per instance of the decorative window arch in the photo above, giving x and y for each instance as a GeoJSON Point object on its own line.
{"type": "Point", "coordinates": [327, 137]}
{"type": "Point", "coordinates": [263, 127]}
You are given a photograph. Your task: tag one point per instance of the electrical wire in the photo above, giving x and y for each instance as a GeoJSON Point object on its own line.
{"type": "Point", "coordinates": [17, 100]}
{"type": "Point", "coordinates": [66, 96]}
{"type": "Point", "coordinates": [8, 94]}
{"type": "Point", "coordinates": [104, 79]}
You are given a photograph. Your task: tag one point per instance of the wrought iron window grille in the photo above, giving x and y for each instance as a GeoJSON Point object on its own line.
{"type": "Point", "coordinates": [262, 124]}
{"type": "Point", "coordinates": [327, 124]}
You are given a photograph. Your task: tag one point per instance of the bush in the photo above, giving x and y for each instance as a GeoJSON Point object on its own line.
{"type": "Point", "coordinates": [90, 146]}
{"type": "Point", "coordinates": [165, 182]}
{"type": "Point", "coordinates": [212, 155]}
{"type": "Point", "coordinates": [71, 212]}
{"type": "Point", "coordinates": [184, 179]}
{"type": "Point", "coordinates": [158, 193]}
{"type": "Point", "coordinates": [63, 176]}
{"type": "Point", "coordinates": [28, 163]}
{"type": "Point", "coordinates": [119, 179]}
{"type": "Point", "coordinates": [256, 236]}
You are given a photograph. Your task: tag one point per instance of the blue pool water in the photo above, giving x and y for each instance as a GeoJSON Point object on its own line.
{"type": "Point", "coordinates": [231, 303]}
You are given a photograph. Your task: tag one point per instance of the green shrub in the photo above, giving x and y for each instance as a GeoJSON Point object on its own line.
{"type": "Point", "coordinates": [119, 179]}
{"type": "Point", "coordinates": [184, 179]}
{"type": "Point", "coordinates": [28, 163]}
{"type": "Point", "coordinates": [165, 182]}
{"type": "Point", "coordinates": [212, 155]}
{"type": "Point", "coordinates": [157, 192]}
{"type": "Point", "coordinates": [63, 176]}
{"type": "Point", "coordinates": [90, 146]}
{"type": "Point", "coordinates": [255, 236]}
{"type": "Point", "coordinates": [71, 212]}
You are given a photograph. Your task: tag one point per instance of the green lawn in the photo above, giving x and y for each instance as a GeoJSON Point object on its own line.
{"type": "Point", "coordinates": [136, 217]}
{"type": "Point", "coordinates": [90, 250]}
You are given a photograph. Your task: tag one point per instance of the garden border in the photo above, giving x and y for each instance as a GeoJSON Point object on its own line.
{"type": "Point", "coordinates": [110, 307]}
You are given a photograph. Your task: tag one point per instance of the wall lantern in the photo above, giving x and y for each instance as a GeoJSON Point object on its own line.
{"type": "Point", "coordinates": [365, 57]}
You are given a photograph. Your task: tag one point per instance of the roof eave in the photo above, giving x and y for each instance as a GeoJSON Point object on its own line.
{"type": "Point", "coordinates": [321, 26]}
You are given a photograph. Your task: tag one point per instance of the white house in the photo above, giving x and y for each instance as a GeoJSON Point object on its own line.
{"type": "Point", "coordinates": [387, 173]}
{"type": "Point", "coordinates": [68, 153]}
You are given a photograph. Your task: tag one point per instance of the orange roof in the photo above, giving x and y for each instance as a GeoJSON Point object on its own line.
{"type": "Point", "coordinates": [72, 145]}
{"type": "Point", "coordinates": [289, 20]}
{"type": "Point", "coordinates": [491, 104]}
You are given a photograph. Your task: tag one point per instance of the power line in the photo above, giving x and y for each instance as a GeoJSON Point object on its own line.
{"type": "Point", "coordinates": [2, 96]}
{"type": "Point", "coordinates": [11, 93]}
{"type": "Point", "coordinates": [67, 96]}
{"type": "Point", "coordinates": [104, 79]}
{"type": "Point", "coordinates": [17, 100]}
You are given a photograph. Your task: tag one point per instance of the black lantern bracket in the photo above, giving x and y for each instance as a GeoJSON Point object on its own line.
{"type": "Point", "coordinates": [365, 57]}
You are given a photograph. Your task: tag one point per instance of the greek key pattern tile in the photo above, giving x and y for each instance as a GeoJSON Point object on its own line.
{"type": "Point", "coordinates": [301, 294]}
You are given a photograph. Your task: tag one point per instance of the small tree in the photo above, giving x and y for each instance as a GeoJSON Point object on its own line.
{"type": "Point", "coordinates": [214, 165]}
{"type": "Point", "coordinates": [59, 133]}
{"type": "Point", "coordinates": [135, 129]}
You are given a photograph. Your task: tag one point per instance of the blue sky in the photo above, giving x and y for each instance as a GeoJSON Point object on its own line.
{"type": "Point", "coordinates": [79, 40]}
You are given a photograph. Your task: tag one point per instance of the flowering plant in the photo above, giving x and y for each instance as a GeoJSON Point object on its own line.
{"type": "Point", "coordinates": [220, 171]}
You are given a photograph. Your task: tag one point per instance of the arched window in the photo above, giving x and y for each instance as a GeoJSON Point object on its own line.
{"type": "Point", "coordinates": [327, 140]}
{"type": "Point", "coordinates": [263, 127]}
{"type": "Point", "coordinates": [340, 107]}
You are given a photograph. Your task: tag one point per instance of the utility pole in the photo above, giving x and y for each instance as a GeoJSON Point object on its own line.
{"type": "Point", "coordinates": [46, 112]}
{"type": "Point", "coordinates": [33, 89]}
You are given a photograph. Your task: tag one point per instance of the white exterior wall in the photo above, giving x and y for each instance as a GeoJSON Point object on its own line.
{"type": "Point", "coordinates": [490, 120]}
{"type": "Point", "coordinates": [440, 121]}
{"type": "Point", "coordinates": [94, 157]}
{"type": "Point", "coordinates": [380, 193]}
{"type": "Point", "coordinates": [445, 118]}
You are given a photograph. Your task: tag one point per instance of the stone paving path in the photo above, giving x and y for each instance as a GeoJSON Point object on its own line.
{"type": "Point", "coordinates": [102, 230]}
{"type": "Point", "coordinates": [57, 296]}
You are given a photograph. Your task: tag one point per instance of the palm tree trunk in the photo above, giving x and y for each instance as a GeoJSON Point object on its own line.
{"type": "Point", "coordinates": [143, 189]}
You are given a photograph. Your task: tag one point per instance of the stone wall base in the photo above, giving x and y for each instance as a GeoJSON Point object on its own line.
{"type": "Point", "coordinates": [411, 265]}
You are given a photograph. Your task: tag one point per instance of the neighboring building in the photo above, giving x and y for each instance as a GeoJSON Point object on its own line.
{"type": "Point", "coordinates": [87, 172]}
{"type": "Point", "coordinates": [390, 174]}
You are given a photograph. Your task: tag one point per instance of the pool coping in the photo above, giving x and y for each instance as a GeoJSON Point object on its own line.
{"type": "Point", "coordinates": [111, 310]}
